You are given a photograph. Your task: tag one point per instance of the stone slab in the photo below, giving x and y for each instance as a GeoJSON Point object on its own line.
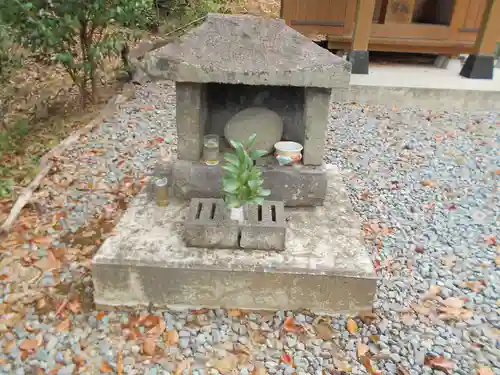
{"type": "Point", "coordinates": [250, 50]}
{"type": "Point", "coordinates": [422, 87]}
{"type": "Point", "coordinates": [207, 225]}
{"type": "Point", "coordinates": [294, 186]}
{"type": "Point", "coordinates": [324, 268]}
{"type": "Point", "coordinates": [265, 230]}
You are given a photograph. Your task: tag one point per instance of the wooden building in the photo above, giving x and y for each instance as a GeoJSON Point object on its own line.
{"type": "Point", "coordinates": [442, 27]}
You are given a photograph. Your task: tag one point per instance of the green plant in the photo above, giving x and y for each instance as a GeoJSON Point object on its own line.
{"type": "Point", "coordinates": [5, 188]}
{"type": "Point", "coordinates": [242, 181]}
{"type": "Point", "coordinates": [77, 34]}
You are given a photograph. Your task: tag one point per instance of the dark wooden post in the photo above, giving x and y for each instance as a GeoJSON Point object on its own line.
{"type": "Point", "coordinates": [480, 63]}
{"type": "Point", "coordinates": [358, 55]}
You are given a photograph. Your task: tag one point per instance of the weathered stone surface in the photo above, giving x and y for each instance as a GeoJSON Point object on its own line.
{"type": "Point", "coordinates": [316, 108]}
{"type": "Point", "coordinates": [266, 229]}
{"type": "Point", "coordinates": [191, 115]}
{"type": "Point", "coordinates": [225, 101]}
{"type": "Point", "coordinates": [207, 225]}
{"type": "Point", "coordinates": [250, 50]}
{"type": "Point", "coordinates": [294, 186]}
{"type": "Point", "coordinates": [324, 268]}
{"type": "Point", "coordinates": [265, 123]}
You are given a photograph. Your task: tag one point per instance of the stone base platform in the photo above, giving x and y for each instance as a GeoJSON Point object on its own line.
{"type": "Point", "coordinates": [324, 268]}
{"type": "Point", "coordinates": [293, 185]}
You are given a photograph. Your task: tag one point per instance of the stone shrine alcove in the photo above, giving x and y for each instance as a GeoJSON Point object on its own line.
{"type": "Point", "coordinates": [231, 63]}
{"type": "Point", "coordinates": [224, 101]}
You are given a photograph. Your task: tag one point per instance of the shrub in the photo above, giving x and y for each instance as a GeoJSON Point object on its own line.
{"type": "Point", "coordinates": [76, 34]}
{"type": "Point", "coordinates": [242, 182]}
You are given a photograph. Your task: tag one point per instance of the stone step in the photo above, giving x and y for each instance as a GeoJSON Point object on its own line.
{"type": "Point", "coordinates": [324, 267]}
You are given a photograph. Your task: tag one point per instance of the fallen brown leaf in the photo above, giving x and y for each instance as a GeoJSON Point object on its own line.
{"type": "Point", "coordinates": [367, 317]}
{"type": "Point", "coordinates": [429, 183]}
{"type": "Point", "coordinates": [432, 292]}
{"type": "Point", "coordinates": [171, 338]}
{"type": "Point", "coordinates": [29, 345]}
{"type": "Point", "coordinates": [157, 330]}
{"type": "Point", "coordinates": [368, 365]}
{"type": "Point", "coordinates": [75, 306]}
{"type": "Point", "coordinates": [257, 337]}
{"type": "Point", "coordinates": [475, 286]}
{"type": "Point", "coordinates": [42, 241]}
{"type": "Point", "coordinates": [234, 313]}
{"type": "Point", "coordinates": [440, 363]}
{"type": "Point", "coordinates": [290, 326]}
{"type": "Point", "coordinates": [323, 328]}
{"type": "Point", "coordinates": [226, 364]}
{"type": "Point", "coordinates": [182, 367]}
{"type": "Point", "coordinates": [258, 370]}
{"type": "Point", "coordinates": [105, 367]}
{"type": "Point", "coordinates": [149, 321]}
{"type": "Point", "coordinates": [64, 326]}
{"type": "Point", "coordinates": [10, 319]}
{"type": "Point", "coordinates": [361, 349]}
{"type": "Point", "coordinates": [149, 346]}
{"type": "Point", "coordinates": [453, 302]}
{"type": "Point", "coordinates": [491, 239]}
{"type": "Point", "coordinates": [485, 371]}
{"type": "Point", "coordinates": [352, 326]}
{"type": "Point", "coordinates": [342, 365]}
{"type": "Point", "coordinates": [100, 315]}
{"type": "Point", "coordinates": [8, 346]}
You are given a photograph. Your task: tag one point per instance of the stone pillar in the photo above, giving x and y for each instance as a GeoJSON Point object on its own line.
{"type": "Point", "coordinates": [316, 106]}
{"type": "Point", "coordinates": [191, 114]}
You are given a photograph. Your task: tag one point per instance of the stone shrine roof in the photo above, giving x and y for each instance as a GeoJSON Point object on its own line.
{"type": "Point", "coordinates": [248, 50]}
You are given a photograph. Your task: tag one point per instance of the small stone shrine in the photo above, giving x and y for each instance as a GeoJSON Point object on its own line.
{"type": "Point", "coordinates": [236, 75]}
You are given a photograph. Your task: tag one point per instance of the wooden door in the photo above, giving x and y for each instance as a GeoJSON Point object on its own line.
{"type": "Point", "coordinates": [318, 17]}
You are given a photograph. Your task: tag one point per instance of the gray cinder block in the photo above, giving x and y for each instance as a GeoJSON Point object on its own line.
{"type": "Point", "coordinates": [207, 225]}
{"type": "Point", "coordinates": [265, 228]}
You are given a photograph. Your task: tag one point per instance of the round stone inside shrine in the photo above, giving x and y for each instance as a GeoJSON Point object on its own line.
{"type": "Point", "coordinates": [265, 123]}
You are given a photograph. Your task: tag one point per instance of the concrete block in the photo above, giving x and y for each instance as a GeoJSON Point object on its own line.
{"type": "Point", "coordinates": [265, 228]}
{"type": "Point", "coordinates": [325, 267]}
{"type": "Point", "coordinates": [294, 186]}
{"type": "Point", "coordinates": [191, 115]}
{"type": "Point", "coordinates": [316, 109]}
{"type": "Point", "coordinates": [207, 225]}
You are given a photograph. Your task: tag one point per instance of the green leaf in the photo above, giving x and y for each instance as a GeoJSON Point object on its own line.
{"type": "Point", "coordinates": [231, 168]}
{"type": "Point", "coordinates": [257, 154]}
{"type": "Point", "coordinates": [257, 200]}
{"type": "Point", "coordinates": [231, 158]}
{"type": "Point", "coordinates": [65, 58]}
{"type": "Point", "coordinates": [251, 141]}
{"type": "Point", "coordinates": [255, 184]}
{"type": "Point", "coordinates": [230, 186]}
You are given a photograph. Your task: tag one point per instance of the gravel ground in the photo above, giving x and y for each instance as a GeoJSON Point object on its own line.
{"type": "Point", "coordinates": [425, 185]}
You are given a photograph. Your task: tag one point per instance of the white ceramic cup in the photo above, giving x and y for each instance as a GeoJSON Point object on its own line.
{"type": "Point", "coordinates": [288, 152]}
